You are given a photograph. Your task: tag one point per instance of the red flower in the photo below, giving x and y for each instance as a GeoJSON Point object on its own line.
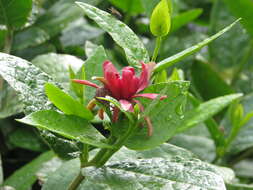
{"type": "Point", "coordinates": [124, 87]}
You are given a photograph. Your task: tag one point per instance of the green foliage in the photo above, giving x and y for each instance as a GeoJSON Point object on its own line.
{"type": "Point", "coordinates": [122, 34]}
{"type": "Point", "coordinates": [242, 9]}
{"type": "Point", "coordinates": [131, 169]}
{"type": "Point", "coordinates": [12, 18]}
{"type": "Point", "coordinates": [24, 178]}
{"type": "Point", "coordinates": [66, 103]}
{"type": "Point", "coordinates": [184, 18]}
{"type": "Point", "coordinates": [68, 126]}
{"type": "Point", "coordinates": [207, 81]}
{"type": "Point", "coordinates": [129, 6]}
{"type": "Point", "coordinates": [57, 66]}
{"type": "Point", "coordinates": [27, 139]}
{"type": "Point", "coordinates": [1, 172]}
{"type": "Point", "coordinates": [160, 21]}
{"type": "Point", "coordinates": [168, 62]}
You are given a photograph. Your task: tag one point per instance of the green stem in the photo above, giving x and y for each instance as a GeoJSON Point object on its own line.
{"type": "Point", "coordinates": [76, 182]}
{"type": "Point", "coordinates": [84, 157]}
{"type": "Point", "coordinates": [8, 41]}
{"type": "Point", "coordinates": [118, 145]}
{"type": "Point", "coordinates": [157, 48]}
{"type": "Point", "coordinates": [244, 61]}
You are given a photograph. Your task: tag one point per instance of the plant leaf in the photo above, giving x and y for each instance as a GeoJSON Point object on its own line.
{"type": "Point", "coordinates": [1, 171]}
{"type": "Point", "coordinates": [164, 115]}
{"type": "Point", "coordinates": [129, 6]}
{"type": "Point", "coordinates": [28, 81]}
{"type": "Point", "coordinates": [9, 101]}
{"type": "Point", "coordinates": [205, 111]}
{"type": "Point", "coordinates": [184, 18]}
{"type": "Point", "coordinates": [247, 6]}
{"type": "Point", "coordinates": [178, 57]}
{"type": "Point", "coordinates": [207, 81]}
{"type": "Point", "coordinates": [57, 66]}
{"type": "Point", "coordinates": [68, 126]}
{"type": "Point", "coordinates": [93, 66]}
{"type": "Point", "coordinates": [66, 103]}
{"type": "Point", "coordinates": [122, 34]}
{"type": "Point", "coordinates": [143, 169]}
{"type": "Point", "coordinates": [24, 177]}
{"type": "Point", "coordinates": [9, 15]}
{"type": "Point", "coordinates": [27, 139]}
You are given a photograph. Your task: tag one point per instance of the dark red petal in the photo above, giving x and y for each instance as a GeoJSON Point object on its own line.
{"type": "Point", "coordinates": [108, 67]}
{"type": "Point", "coordinates": [127, 83]}
{"type": "Point", "coordinates": [114, 84]}
{"type": "Point", "coordinates": [126, 105]}
{"type": "Point", "coordinates": [149, 95]}
{"type": "Point", "coordinates": [85, 82]}
{"type": "Point", "coordinates": [145, 75]}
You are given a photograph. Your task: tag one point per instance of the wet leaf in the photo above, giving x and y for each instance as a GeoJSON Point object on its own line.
{"type": "Point", "coordinates": [24, 178]}
{"type": "Point", "coordinates": [145, 169]}
{"type": "Point", "coordinates": [57, 66]}
{"type": "Point", "coordinates": [164, 114]}
{"type": "Point", "coordinates": [121, 33]}
{"type": "Point", "coordinates": [68, 126]}
{"type": "Point", "coordinates": [66, 103]}
{"type": "Point", "coordinates": [9, 15]}
{"type": "Point", "coordinates": [178, 57]}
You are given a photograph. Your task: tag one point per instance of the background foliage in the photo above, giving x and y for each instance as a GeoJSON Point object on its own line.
{"type": "Point", "coordinates": [53, 35]}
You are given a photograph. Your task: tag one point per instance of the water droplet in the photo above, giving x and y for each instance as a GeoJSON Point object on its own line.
{"type": "Point", "coordinates": [169, 117]}
{"type": "Point", "coordinates": [180, 110]}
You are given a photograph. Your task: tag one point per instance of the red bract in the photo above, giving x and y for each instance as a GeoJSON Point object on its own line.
{"type": "Point", "coordinates": [123, 87]}
{"type": "Point", "coordinates": [126, 87]}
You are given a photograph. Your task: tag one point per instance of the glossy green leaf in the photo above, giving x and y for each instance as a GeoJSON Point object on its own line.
{"type": "Point", "coordinates": [65, 174]}
{"type": "Point", "coordinates": [244, 168]}
{"type": "Point", "coordinates": [242, 9]}
{"type": "Point", "coordinates": [57, 18]}
{"type": "Point", "coordinates": [24, 178]}
{"type": "Point", "coordinates": [129, 6]}
{"type": "Point", "coordinates": [239, 186]}
{"type": "Point", "coordinates": [78, 32]}
{"type": "Point", "coordinates": [28, 81]}
{"type": "Point", "coordinates": [57, 66]}
{"type": "Point", "coordinates": [149, 7]}
{"type": "Point", "coordinates": [160, 21]}
{"type": "Point", "coordinates": [94, 67]}
{"type": "Point", "coordinates": [164, 115]}
{"type": "Point", "coordinates": [30, 37]}
{"type": "Point", "coordinates": [48, 168]}
{"type": "Point", "coordinates": [90, 48]}
{"type": "Point", "coordinates": [63, 148]}
{"type": "Point", "coordinates": [201, 146]}
{"type": "Point", "coordinates": [68, 126]}
{"type": "Point", "coordinates": [1, 172]}
{"type": "Point", "coordinates": [143, 169]}
{"type": "Point", "coordinates": [178, 57]}
{"type": "Point", "coordinates": [244, 139]}
{"type": "Point", "coordinates": [27, 139]}
{"type": "Point", "coordinates": [9, 101]}
{"type": "Point", "coordinates": [208, 82]}
{"type": "Point", "coordinates": [122, 34]}
{"type": "Point", "coordinates": [66, 103]}
{"type": "Point", "coordinates": [184, 18]}
{"type": "Point", "coordinates": [205, 111]}
{"type": "Point", "coordinates": [9, 15]}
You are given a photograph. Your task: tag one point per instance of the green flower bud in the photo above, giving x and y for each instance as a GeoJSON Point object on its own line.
{"type": "Point", "coordinates": [160, 21]}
